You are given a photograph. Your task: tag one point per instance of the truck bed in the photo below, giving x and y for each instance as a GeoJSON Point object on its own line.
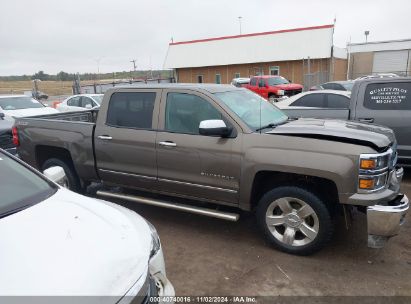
{"type": "Point", "coordinates": [70, 133]}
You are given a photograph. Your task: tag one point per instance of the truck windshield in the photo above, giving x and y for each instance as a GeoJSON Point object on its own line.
{"type": "Point", "coordinates": [252, 109]}
{"type": "Point", "coordinates": [19, 102]}
{"type": "Point", "coordinates": [273, 81]}
{"type": "Point", "coordinates": [20, 187]}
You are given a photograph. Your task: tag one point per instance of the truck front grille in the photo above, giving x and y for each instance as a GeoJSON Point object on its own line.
{"type": "Point", "coordinates": [292, 92]}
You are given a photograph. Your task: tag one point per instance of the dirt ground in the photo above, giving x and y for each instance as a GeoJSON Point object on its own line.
{"type": "Point", "coordinates": [206, 256]}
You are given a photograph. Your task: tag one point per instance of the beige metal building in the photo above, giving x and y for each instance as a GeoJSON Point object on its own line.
{"type": "Point", "coordinates": [303, 55]}
{"type": "Point", "coordinates": [392, 56]}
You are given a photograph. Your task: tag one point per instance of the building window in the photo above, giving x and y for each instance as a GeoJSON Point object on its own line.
{"type": "Point", "coordinates": [200, 78]}
{"type": "Point", "coordinates": [274, 70]}
{"type": "Point", "coordinates": [237, 75]}
{"type": "Point", "coordinates": [217, 78]}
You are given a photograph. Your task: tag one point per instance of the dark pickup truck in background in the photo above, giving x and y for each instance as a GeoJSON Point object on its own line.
{"type": "Point", "coordinates": [217, 149]}
{"type": "Point", "coordinates": [6, 135]}
{"type": "Point", "coordinates": [382, 101]}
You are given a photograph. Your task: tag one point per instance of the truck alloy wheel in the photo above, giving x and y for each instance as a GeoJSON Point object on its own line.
{"type": "Point", "coordinates": [294, 220]}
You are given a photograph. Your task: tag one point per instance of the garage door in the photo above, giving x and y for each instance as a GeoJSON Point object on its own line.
{"type": "Point", "coordinates": [390, 62]}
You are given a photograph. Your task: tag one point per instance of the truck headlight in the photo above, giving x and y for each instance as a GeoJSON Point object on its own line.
{"type": "Point", "coordinates": [155, 240]}
{"type": "Point", "coordinates": [373, 182]}
{"type": "Point", "coordinates": [280, 92]}
{"type": "Point", "coordinates": [373, 171]}
{"type": "Point", "coordinates": [374, 162]}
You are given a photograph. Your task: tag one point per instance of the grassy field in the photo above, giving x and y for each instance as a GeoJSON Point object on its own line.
{"type": "Point", "coordinates": [49, 87]}
{"type": "Point", "coordinates": [52, 88]}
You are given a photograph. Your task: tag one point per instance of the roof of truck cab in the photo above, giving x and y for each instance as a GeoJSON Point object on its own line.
{"type": "Point", "coordinates": [209, 87]}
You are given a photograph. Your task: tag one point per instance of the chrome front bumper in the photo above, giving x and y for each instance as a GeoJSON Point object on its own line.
{"type": "Point", "coordinates": [384, 221]}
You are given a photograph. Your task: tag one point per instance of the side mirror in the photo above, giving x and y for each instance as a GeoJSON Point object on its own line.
{"type": "Point", "coordinates": [88, 106]}
{"type": "Point", "coordinates": [57, 175]}
{"type": "Point", "coordinates": [214, 127]}
{"type": "Point", "coordinates": [2, 115]}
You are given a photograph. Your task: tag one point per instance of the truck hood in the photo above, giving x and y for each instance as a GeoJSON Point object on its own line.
{"type": "Point", "coordinates": [290, 86]}
{"type": "Point", "coordinates": [30, 112]}
{"type": "Point", "coordinates": [73, 245]}
{"type": "Point", "coordinates": [375, 136]}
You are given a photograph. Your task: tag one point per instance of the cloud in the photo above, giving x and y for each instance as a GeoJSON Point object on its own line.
{"type": "Point", "coordinates": [71, 35]}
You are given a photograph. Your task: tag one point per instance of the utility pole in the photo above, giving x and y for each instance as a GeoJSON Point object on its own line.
{"type": "Point", "coordinates": [366, 33]}
{"type": "Point", "coordinates": [239, 21]}
{"type": "Point", "coordinates": [134, 61]}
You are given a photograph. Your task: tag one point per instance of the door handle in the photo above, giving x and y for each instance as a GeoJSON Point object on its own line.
{"type": "Point", "coordinates": [369, 120]}
{"type": "Point", "coordinates": [167, 144]}
{"type": "Point", "coordinates": [104, 137]}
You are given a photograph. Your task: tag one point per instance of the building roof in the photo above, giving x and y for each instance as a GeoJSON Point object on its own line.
{"type": "Point", "coordinates": [375, 46]}
{"type": "Point", "coordinates": [281, 45]}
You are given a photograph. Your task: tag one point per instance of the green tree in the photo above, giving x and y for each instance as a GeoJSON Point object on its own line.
{"type": "Point", "coordinates": [40, 75]}
{"type": "Point", "coordinates": [63, 76]}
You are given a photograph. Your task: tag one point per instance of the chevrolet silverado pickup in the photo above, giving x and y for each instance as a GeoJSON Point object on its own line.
{"type": "Point", "coordinates": [273, 88]}
{"type": "Point", "coordinates": [383, 101]}
{"type": "Point", "coordinates": [217, 150]}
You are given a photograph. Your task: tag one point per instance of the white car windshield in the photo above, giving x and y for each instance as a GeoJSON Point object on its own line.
{"type": "Point", "coordinates": [18, 103]}
{"type": "Point", "coordinates": [20, 187]}
{"type": "Point", "coordinates": [252, 109]}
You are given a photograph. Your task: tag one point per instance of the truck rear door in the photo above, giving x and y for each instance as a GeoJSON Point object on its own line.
{"type": "Point", "coordinates": [262, 90]}
{"type": "Point", "coordinates": [125, 138]}
{"type": "Point", "coordinates": [253, 86]}
{"type": "Point", "coordinates": [388, 104]}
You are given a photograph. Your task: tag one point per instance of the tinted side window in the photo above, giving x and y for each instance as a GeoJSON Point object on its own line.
{"type": "Point", "coordinates": [337, 101]}
{"type": "Point", "coordinates": [131, 110]}
{"type": "Point", "coordinates": [388, 96]}
{"type": "Point", "coordinates": [74, 102]}
{"type": "Point", "coordinates": [261, 83]}
{"type": "Point", "coordinates": [184, 112]}
{"type": "Point", "coordinates": [328, 86]}
{"type": "Point", "coordinates": [253, 81]}
{"type": "Point", "coordinates": [310, 100]}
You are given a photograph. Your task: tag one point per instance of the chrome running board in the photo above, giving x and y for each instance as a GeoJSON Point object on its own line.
{"type": "Point", "coordinates": [176, 206]}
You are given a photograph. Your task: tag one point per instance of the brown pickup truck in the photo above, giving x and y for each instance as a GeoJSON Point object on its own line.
{"type": "Point", "coordinates": [216, 150]}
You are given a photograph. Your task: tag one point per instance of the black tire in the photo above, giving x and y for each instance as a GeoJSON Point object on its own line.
{"type": "Point", "coordinates": [73, 180]}
{"type": "Point", "coordinates": [319, 221]}
{"type": "Point", "coordinates": [272, 98]}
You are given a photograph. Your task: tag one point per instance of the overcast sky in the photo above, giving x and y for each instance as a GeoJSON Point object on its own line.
{"type": "Point", "coordinates": [73, 35]}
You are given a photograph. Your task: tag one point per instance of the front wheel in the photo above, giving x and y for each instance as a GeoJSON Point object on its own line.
{"type": "Point", "coordinates": [272, 99]}
{"type": "Point", "coordinates": [294, 220]}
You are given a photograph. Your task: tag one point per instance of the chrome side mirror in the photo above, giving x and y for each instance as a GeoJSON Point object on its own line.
{"type": "Point", "coordinates": [57, 175]}
{"type": "Point", "coordinates": [214, 127]}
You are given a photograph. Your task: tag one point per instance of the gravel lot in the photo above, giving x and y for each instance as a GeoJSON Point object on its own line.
{"type": "Point", "coordinates": [206, 256]}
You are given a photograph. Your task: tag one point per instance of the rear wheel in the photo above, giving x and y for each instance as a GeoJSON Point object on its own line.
{"type": "Point", "coordinates": [294, 220]}
{"type": "Point", "coordinates": [72, 181]}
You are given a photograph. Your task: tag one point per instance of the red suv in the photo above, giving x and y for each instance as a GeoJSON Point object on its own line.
{"type": "Point", "coordinates": [273, 87]}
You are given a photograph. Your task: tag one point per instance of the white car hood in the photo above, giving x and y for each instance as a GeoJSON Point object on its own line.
{"type": "Point", "coordinates": [30, 112]}
{"type": "Point", "coordinates": [70, 244]}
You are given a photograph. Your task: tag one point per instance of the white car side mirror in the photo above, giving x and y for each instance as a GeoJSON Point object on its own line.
{"type": "Point", "coordinates": [88, 106]}
{"type": "Point", "coordinates": [57, 175]}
